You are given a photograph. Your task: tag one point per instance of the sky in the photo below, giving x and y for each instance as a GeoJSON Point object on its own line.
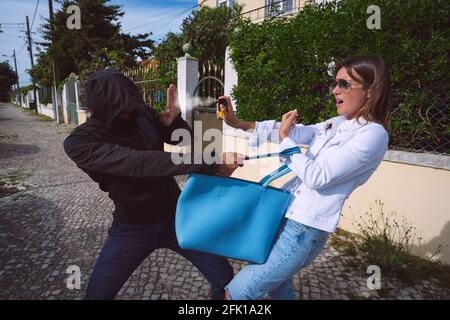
{"type": "Point", "coordinates": [156, 16]}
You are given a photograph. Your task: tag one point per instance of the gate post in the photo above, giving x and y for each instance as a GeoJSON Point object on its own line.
{"type": "Point", "coordinates": [231, 77]}
{"type": "Point", "coordinates": [65, 104]}
{"type": "Point", "coordinates": [187, 71]}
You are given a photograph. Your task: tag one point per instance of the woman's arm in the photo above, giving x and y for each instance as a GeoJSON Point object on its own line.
{"type": "Point", "coordinates": [245, 125]}
{"type": "Point", "coordinates": [363, 152]}
{"type": "Point", "coordinates": [268, 130]}
{"type": "Point", "coordinates": [230, 118]}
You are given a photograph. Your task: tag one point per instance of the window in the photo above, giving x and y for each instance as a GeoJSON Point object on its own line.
{"type": "Point", "coordinates": [228, 3]}
{"type": "Point", "coordinates": [277, 7]}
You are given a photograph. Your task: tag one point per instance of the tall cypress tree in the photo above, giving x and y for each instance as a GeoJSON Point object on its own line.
{"type": "Point", "coordinates": [7, 79]}
{"type": "Point", "coordinates": [98, 44]}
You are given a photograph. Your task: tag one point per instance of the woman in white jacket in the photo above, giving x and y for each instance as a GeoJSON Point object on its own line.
{"type": "Point", "coordinates": [343, 153]}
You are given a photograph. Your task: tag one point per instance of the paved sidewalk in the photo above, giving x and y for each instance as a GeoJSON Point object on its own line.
{"type": "Point", "coordinates": [52, 216]}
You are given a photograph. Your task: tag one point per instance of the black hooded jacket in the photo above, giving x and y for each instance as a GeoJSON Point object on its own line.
{"type": "Point", "coordinates": [126, 157]}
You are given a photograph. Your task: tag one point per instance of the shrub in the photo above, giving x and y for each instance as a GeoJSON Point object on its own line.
{"type": "Point", "coordinates": [388, 242]}
{"type": "Point", "coordinates": [283, 64]}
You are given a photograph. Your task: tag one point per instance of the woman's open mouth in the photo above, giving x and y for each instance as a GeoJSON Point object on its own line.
{"type": "Point", "coordinates": [339, 101]}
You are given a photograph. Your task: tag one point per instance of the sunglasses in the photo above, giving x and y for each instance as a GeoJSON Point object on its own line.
{"type": "Point", "coordinates": [343, 84]}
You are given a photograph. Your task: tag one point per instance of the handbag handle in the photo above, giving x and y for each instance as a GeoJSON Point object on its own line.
{"type": "Point", "coordinates": [285, 152]}
{"type": "Point", "coordinates": [281, 171]}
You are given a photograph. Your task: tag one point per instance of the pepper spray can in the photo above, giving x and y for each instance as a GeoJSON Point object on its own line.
{"type": "Point", "coordinates": [219, 112]}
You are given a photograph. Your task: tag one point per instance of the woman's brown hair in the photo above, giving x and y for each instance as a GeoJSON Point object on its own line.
{"type": "Point", "coordinates": [375, 76]}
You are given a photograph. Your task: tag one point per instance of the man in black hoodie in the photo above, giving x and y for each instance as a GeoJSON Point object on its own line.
{"type": "Point", "coordinates": [121, 147]}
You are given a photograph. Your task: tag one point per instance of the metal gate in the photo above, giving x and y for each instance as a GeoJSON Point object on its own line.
{"type": "Point", "coordinates": [71, 99]}
{"type": "Point", "coordinates": [209, 88]}
{"type": "Point", "coordinates": [153, 89]}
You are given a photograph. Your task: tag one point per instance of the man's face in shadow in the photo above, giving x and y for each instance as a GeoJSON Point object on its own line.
{"type": "Point", "coordinates": [124, 116]}
{"type": "Point", "coordinates": [125, 121]}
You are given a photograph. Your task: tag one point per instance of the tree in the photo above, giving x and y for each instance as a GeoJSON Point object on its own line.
{"type": "Point", "coordinates": [7, 79]}
{"type": "Point", "coordinates": [98, 44]}
{"type": "Point", "coordinates": [167, 52]}
{"type": "Point", "coordinates": [208, 29]}
{"type": "Point", "coordinates": [42, 73]}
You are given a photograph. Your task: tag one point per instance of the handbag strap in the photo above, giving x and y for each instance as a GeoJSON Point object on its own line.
{"type": "Point", "coordinates": [281, 171]}
{"type": "Point", "coordinates": [285, 152]}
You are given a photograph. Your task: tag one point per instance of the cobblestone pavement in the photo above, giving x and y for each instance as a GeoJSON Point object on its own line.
{"type": "Point", "coordinates": [52, 216]}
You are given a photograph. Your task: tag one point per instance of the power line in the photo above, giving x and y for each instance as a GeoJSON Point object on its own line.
{"type": "Point", "coordinates": [164, 15]}
{"type": "Point", "coordinates": [34, 15]}
{"type": "Point", "coordinates": [170, 12]}
{"type": "Point", "coordinates": [11, 35]}
{"type": "Point", "coordinates": [169, 21]}
{"type": "Point", "coordinates": [163, 18]}
{"type": "Point", "coordinates": [175, 18]}
{"type": "Point", "coordinates": [22, 48]}
{"type": "Point", "coordinates": [11, 26]}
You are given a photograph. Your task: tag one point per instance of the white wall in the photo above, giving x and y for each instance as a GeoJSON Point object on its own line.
{"type": "Point", "coordinates": [418, 193]}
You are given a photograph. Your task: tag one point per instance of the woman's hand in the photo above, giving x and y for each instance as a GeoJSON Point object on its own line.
{"type": "Point", "coordinates": [231, 120]}
{"type": "Point", "coordinates": [172, 107]}
{"type": "Point", "coordinates": [288, 121]}
{"type": "Point", "coordinates": [228, 114]}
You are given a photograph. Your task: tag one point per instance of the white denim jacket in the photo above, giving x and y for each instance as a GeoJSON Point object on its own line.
{"type": "Point", "coordinates": [337, 161]}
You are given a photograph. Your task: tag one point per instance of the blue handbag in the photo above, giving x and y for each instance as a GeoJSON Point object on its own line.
{"type": "Point", "coordinates": [232, 217]}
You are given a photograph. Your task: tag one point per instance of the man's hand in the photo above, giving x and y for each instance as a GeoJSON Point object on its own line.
{"type": "Point", "coordinates": [288, 121]}
{"type": "Point", "coordinates": [172, 107]}
{"type": "Point", "coordinates": [228, 162]}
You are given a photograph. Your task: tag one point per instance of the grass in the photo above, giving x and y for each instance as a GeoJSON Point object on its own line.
{"type": "Point", "coordinates": [9, 183]}
{"type": "Point", "coordinates": [8, 136]}
{"type": "Point", "coordinates": [66, 130]}
{"type": "Point", "coordinates": [6, 191]}
{"type": "Point", "coordinates": [344, 245]}
{"type": "Point", "coordinates": [385, 240]}
{"type": "Point", "coordinates": [388, 241]}
{"type": "Point", "coordinates": [14, 177]}
{"type": "Point", "coordinates": [40, 117]}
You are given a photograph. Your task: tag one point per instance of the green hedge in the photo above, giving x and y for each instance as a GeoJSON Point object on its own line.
{"type": "Point", "coordinates": [282, 64]}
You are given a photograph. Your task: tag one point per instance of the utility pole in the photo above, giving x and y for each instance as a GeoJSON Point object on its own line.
{"type": "Point", "coordinates": [56, 110]}
{"type": "Point", "coordinates": [17, 78]}
{"type": "Point", "coordinates": [30, 49]}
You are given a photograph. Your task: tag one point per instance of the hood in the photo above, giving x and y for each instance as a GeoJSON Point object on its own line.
{"type": "Point", "coordinates": [110, 93]}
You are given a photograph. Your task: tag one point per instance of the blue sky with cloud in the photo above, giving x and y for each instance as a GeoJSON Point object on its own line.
{"type": "Point", "coordinates": [156, 16]}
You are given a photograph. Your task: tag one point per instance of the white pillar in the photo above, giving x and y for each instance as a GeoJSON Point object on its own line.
{"type": "Point", "coordinates": [64, 103]}
{"type": "Point", "coordinates": [54, 103]}
{"type": "Point", "coordinates": [38, 99]}
{"type": "Point", "coordinates": [57, 104]}
{"type": "Point", "coordinates": [77, 88]}
{"type": "Point", "coordinates": [231, 77]}
{"type": "Point", "coordinates": [187, 82]}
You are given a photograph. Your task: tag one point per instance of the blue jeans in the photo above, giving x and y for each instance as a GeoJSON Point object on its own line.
{"type": "Point", "coordinates": [295, 247]}
{"type": "Point", "coordinates": [128, 245]}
